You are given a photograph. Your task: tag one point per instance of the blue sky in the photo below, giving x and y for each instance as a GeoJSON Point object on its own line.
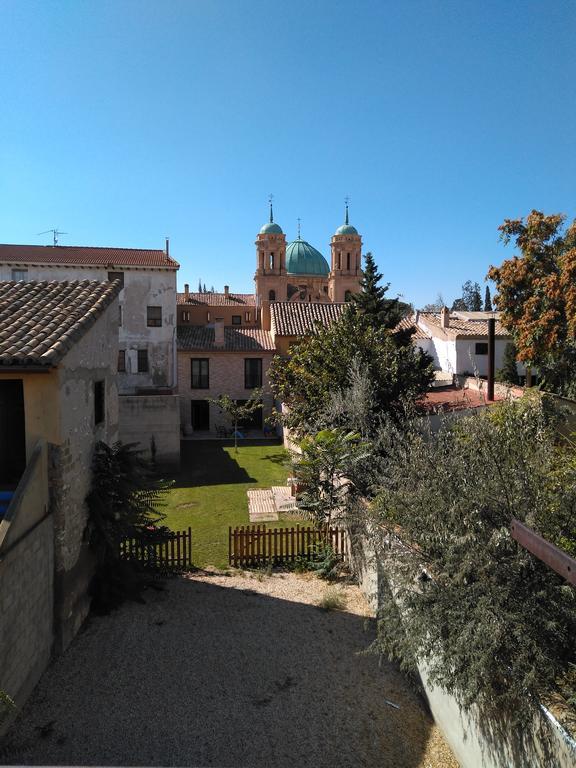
{"type": "Point", "coordinates": [123, 122]}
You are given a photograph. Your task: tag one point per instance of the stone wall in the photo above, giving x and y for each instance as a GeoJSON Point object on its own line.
{"type": "Point", "coordinates": [90, 360]}
{"type": "Point", "coordinates": [26, 611]}
{"type": "Point", "coordinates": [152, 420]}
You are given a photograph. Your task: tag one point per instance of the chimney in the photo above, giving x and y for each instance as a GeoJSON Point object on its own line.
{"type": "Point", "coordinates": [444, 317]}
{"type": "Point", "coordinates": [265, 318]}
{"type": "Point", "coordinates": [226, 290]}
{"type": "Point", "coordinates": [186, 291]}
{"type": "Point", "coordinates": [219, 332]}
{"type": "Point", "coordinates": [167, 246]}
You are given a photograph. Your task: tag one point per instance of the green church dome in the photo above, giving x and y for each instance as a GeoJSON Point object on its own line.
{"type": "Point", "coordinates": [271, 228]}
{"type": "Point", "coordinates": [346, 229]}
{"type": "Point", "coordinates": [303, 259]}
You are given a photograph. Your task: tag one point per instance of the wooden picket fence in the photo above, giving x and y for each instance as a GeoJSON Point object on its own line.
{"type": "Point", "coordinates": [163, 551]}
{"type": "Point", "coordinates": [256, 545]}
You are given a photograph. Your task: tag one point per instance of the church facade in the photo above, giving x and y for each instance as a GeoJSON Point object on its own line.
{"type": "Point", "coordinates": [296, 271]}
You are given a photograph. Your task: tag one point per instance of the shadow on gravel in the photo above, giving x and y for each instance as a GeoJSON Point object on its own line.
{"type": "Point", "coordinates": [203, 675]}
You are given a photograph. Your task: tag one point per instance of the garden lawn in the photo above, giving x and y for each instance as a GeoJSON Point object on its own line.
{"type": "Point", "coordinates": [210, 492]}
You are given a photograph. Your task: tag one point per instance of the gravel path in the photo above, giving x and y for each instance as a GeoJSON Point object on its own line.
{"type": "Point", "coordinates": [227, 671]}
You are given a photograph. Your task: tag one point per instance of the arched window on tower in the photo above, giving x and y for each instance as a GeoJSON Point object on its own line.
{"type": "Point", "coordinates": [271, 295]}
{"type": "Point", "coordinates": [339, 260]}
{"type": "Point", "coordinates": [348, 261]}
{"type": "Point", "coordinates": [271, 261]}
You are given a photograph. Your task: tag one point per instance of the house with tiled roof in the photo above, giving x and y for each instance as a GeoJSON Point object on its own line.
{"type": "Point", "coordinates": [236, 309]}
{"type": "Point", "coordinates": [215, 360]}
{"type": "Point", "coordinates": [458, 341]}
{"type": "Point", "coordinates": [58, 398]}
{"type": "Point", "coordinates": [146, 328]}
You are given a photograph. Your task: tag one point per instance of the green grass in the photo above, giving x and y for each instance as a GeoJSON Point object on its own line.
{"type": "Point", "coordinates": [210, 492]}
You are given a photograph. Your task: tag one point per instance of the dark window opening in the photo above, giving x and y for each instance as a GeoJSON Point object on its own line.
{"type": "Point", "coordinates": [199, 373]}
{"type": "Point", "coordinates": [117, 276]}
{"type": "Point", "coordinates": [252, 373]}
{"type": "Point", "coordinates": [119, 314]}
{"type": "Point", "coordinates": [121, 361]}
{"type": "Point", "coordinates": [98, 402]}
{"type": "Point", "coordinates": [236, 319]}
{"type": "Point", "coordinates": [142, 361]}
{"type": "Point", "coordinates": [154, 317]}
{"type": "Point", "coordinates": [347, 261]}
{"type": "Point", "coordinates": [19, 274]}
{"type": "Point", "coordinates": [271, 295]}
{"type": "Point", "coordinates": [12, 433]}
{"type": "Point", "coordinates": [200, 414]}
{"type": "Point", "coordinates": [481, 348]}
{"type": "Point", "coordinates": [347, 295]}
{"type": "Point", "coordinates": [325, 289]}
{"type": "Point", "coordinates": [271, 261]}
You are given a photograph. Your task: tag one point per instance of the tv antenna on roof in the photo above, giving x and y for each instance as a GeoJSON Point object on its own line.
{"type": "Point", "coordinates": [55, 232]}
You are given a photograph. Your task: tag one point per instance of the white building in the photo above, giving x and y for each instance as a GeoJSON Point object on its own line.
{"type": "Point", "coordinates": [147, 362]}
{"type": "Point", "coordinates": [458, 341]}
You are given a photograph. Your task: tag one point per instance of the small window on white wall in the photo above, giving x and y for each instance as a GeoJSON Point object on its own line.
{"type": "Point", "coordinates": [19, 274]}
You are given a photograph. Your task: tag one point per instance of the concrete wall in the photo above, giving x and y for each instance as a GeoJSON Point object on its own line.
{"type": "Point", "coordinates": [226, 377]}
{"type": "Point", "coordinates": [143, 287]}
{"type": "Point", "coordinates": [144, 418]}
{"type": "Point", "coordinates": [26, 583]}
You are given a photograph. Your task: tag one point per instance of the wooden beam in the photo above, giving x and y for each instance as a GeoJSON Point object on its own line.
{"type": "Point", "coordinates": [554, 557]}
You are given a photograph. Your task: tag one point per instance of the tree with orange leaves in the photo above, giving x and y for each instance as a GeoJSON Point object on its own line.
{"type": "Point", "coordinates": [537, 296]}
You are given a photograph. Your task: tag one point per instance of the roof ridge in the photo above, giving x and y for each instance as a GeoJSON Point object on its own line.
{"type": "Point", "coordinates": [84, 247]}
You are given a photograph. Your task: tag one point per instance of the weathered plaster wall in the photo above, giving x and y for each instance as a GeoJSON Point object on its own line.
{"type": "Point", "coordinates": [204, 315]}
{"type": "Point", "coordinates": [226, 377]}
{"type": "Point", "coordinates": [142, 288]}
{"type": "Point", "coordinates": [91, 359]}
{"type": "Point", "coordinates": [147, 418]}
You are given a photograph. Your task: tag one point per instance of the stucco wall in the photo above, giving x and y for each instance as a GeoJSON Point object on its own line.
{"type": "Point", "coordinates": [142, 288]}
{"type": "Point", "coordinates": [147, 418]}
{"type": "Point", "coordinates": [226, 377]}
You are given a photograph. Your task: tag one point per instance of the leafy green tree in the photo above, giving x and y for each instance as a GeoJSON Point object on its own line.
{"type": "Point", "coordinates": [237, 412]}
{"type": "Point", "coordinates": [509, 372]}
{"type": "Point", "coordinates": [494, 625]}
{"type": "Point", "coordinates": [487, 300]}
{"type": "Point", "coordinates": [323, 468]}
{"type": "Point", "coordinates": [319, 366]}
{"type": "Point", "coordinates": [371, 300]}
{"type": "Point", "coordinates": [537, 296]}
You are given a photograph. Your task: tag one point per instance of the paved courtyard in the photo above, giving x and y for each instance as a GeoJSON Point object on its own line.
{"type": "Point", "coordinates": [218, 670]}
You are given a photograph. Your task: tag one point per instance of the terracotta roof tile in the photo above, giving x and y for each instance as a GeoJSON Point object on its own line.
{"type": "Point", "coordinates": [460, 326]}
{"type": "Point", "coordinates": [41, 321]}
{"type": "Point", "coordinates": [213, 299]}
{"type": "Point", "coordinates": [85, 256]}
{"type": "Point", "coordinates": [408, 322]}
{"type": "Point", "coordinates": [294, 318]}
{"type": "Point", "coordinates": [201, 338]}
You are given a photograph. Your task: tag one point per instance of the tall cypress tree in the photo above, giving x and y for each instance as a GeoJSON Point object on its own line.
{"type": "Point", "coordinates": [371, 302]}
{"type": "Point", "coordinates": [487, 300]}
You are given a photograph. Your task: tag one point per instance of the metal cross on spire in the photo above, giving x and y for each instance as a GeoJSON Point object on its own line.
{"type": "Point", "coordinates": [298, 229]}
{"type": "Point", "coordinates": [346, 200]}
{"type": "Point", "coordinates": [271, 212]}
